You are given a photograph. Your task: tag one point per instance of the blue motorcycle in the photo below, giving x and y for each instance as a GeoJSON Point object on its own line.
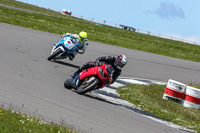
{"type": "Point", "coordinates": [63, 48]}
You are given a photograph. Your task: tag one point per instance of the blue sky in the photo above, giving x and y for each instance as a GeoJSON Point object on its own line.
{"type": "Point", "coordinates": [177, 18]}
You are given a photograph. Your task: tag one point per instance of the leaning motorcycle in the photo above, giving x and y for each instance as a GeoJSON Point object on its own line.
{"type": "Point", "coordinates": [90, 79]}
{"type": "Point", "coordinates": [62, 49]}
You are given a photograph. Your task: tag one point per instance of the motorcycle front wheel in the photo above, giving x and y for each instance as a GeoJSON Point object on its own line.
{"type": "Point", "coordinates": [59, 51]}
{"type": "Point", "coordinates": [67, 85]}
{"type": "Point", "coordinates": [88, 86]}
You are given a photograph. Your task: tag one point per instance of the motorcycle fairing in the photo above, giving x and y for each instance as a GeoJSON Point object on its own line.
{"type": "Point", "coordinates": [88, 72]}
{"type": "Point", "coordinates": [96, 71]}
{"type": "Point", "coordinates": [66, 45]}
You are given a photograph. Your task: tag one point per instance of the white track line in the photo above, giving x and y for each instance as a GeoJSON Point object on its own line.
{"type": "Point", "coordinates": [110, 94]}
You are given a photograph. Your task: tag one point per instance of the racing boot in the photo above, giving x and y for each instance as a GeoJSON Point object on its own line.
{"type": "Point", "coordinates": [71, 56]}
{"type": "Point", "coordinates": [73, 82]}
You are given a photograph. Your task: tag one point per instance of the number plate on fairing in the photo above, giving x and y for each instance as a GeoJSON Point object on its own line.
{"type": "Point", "coordinates": [68, 44]}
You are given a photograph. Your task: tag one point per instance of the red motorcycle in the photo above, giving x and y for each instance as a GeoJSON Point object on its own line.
{"type": "Point", "coordinates": [90, 79]}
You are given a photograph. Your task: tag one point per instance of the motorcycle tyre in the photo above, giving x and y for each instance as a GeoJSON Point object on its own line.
{"type": "Point", "coordinates": [66, 85]}
{"type": "Point", "coordinates": [91, 86]}
{"type": "Point", "coordinates": [54, 54]}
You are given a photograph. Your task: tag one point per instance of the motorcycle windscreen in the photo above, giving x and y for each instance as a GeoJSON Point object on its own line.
{"type": "Point", "coordinates": [108, 76]}
{"type": "Point", "coordinates": [110, 70]}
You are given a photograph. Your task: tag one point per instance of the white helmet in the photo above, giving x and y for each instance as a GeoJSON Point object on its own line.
{"type": "Point", "coordinates": [120, 61]}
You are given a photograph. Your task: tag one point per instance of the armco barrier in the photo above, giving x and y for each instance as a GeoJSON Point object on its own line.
{"type": "Point", "coordinates": [191, 98]}
{"type": "Point", "coordinates": [174, 91]}
{"type": "Point", "coordinates": [186, 95]}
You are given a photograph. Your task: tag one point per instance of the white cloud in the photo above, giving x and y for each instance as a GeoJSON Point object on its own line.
{"type": "Point", "coordinates": [169, 10]}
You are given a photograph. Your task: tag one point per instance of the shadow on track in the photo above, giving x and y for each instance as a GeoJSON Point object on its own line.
{"type": "Point", "coordinates": [66, 64]}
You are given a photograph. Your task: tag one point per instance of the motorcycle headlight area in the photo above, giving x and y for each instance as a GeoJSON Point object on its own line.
{"type": "Point", "coordinates": [101, 71]}
{"type": "Point", "coordinates": [110, 70]}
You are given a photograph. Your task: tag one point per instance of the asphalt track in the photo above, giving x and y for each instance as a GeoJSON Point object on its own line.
{"type": "Point", "coordinates": [32, 84]}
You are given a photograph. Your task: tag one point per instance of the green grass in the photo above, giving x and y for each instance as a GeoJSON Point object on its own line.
{"type": "Point", "coordinates": [14, 122]}
{"type": "Point", "coordinates": [150, 99]}
{"type": "Point", "coordinates": [59, 24]}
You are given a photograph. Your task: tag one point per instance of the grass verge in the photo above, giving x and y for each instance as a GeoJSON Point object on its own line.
{"type": "Point", "coordinates": [59, 24]}
{"type": "Point", "coordinates": [149, 98]}
{"type": "Point", "coordinates": [14, 122]}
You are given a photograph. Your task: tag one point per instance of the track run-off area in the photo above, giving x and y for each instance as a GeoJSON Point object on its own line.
{"type": "Point", "coordinates": [32, 84]}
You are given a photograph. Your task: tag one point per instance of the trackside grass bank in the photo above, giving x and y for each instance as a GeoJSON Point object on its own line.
{"type": "Point", "coordinates": [149, 98]}
{"type": "Point", "coordinates": [59, 24]}
{"type": "Point", "coordinates": [14, 122]}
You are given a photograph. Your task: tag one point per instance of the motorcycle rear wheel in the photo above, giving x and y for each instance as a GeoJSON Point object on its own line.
{"type": "Point", "coordinates": [54, 54]}
{"type": "Point", "coordinates": [86, 87]}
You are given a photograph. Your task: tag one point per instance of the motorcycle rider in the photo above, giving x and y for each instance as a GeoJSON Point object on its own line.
{"type": "Point", "coordinates": [116, 62]}
{"type": "Point", "coordinates": [80, 40]}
